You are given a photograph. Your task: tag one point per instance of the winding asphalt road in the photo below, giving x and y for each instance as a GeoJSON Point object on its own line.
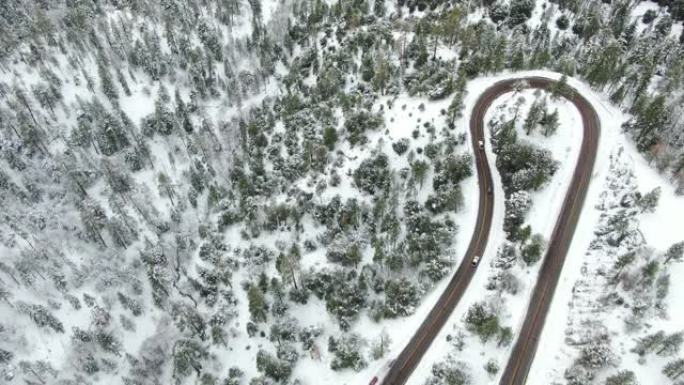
{"type": "Point", "coordinates": [526, 345]}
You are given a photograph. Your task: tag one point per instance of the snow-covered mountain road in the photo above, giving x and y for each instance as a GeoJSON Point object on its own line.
{"type": "Point", "coordinates": [524, 350]}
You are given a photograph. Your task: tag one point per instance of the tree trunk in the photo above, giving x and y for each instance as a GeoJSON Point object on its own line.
{"type": "Point", "coordinates": [294, 280]}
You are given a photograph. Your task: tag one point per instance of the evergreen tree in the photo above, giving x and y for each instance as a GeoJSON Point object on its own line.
{"type": "Point", "coordinates": [604, 63]}
{"type": "Point", "coordinates": [560, 88]}
{"type": "Point", "coordinates": [649, 201]}
{"type": "Point", "coordinates": [675, 252]}
{"type": "Point", "coordinates": [671, 344]}
{"type": "Point", "coordinates": [106, 82]}
{"type": "Point", "coordinates": [257, 304]}
{"type": "Point", "coordinates": [188, 355]}
{"type": "Point", "coordinates": [533, 117]}
{"type": "Point", "coordinates": [532, 252]}
{"type": "Point", "coordinates": [549, 122]}
{"type": "Point", "coordinates": [520, 11]}
{"type": "Point", "coordinates": [288, 264]}
{"type": "Point", "coordinates": [625, 377]}
{"type": "Point", "coordinates": [347, 352]}
{"type": "Point", "coordinates": [367, 67]}
{"type": "Point", "coordinates": [649, 343]}
{"type": "Point", "coordinates": [650, 121]}
{"type": "Point", "coordinates": [449, 372]}
{"type": "Point", "coordinates": [273, 367]}
{"type": "Point", "coordinates": [455, 110]}
{"type": "Point", "coordinates": [329, 137]}
{"type": "Point", "coordinates": [382, 75]}
{"type": "Point", "coordinates": [419, 169]}
{"type": "Point", "coordinates": [401, 298]}
{"type": "Point", "coordinates": [111, 136]}
{"type": "Point", "coordinates": [674, 369]}
{"type": "Point", "coordinates": [482, 320]}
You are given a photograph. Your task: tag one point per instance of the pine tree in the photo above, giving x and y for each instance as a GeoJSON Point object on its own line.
{"type": "Point", "coordinates": [520, 11]}
{"type": "Point", "coordinates": [560, 88]}
{"type": "Point", "coordinates": [166, 186]}
{"type": "Point", "coordinates": [273, 367]}
{"type": "Point", "coordinates": [47, 95]}
{"type": "Point", "coordinates": [367, 67]}
{"type": "Point", "coordinates": [257, 304]}
{"type": "Point", "coordinates": [421, 53]}
{"type": "Point", "coordinates": [625, 377]}
{"type": "Point", "coordinates": [619, 18]}
{"type": "Point", "coordinates": [419, 169]}
{"type": "Point", "coordinates": [124, 83]}
{"type": "Point", "coordinates": [649, 201]}
{"type": "Point", "coordinates": [188, 355]}
{"type": "Point", "coordinates": [562, 22]}
{"type": "Point", "coordinates": [329, 137]}
{"type": "Point", "coordinates": [106, 82]}
{"type": "Point", "coordinates": [604, 63]}
{"type": "Point", "coordinates": [674, 369]}
{"type": "Point", "coordinates": [378, 252]}
{"type": "Point", "coordinates": [482, 320]}
{"type": "Point", "coordinates": [287, 265]}
{"type": "Point", "coordinates": [675, 252]}
{"type": "Point", "coordinates": [451, 24]}
{"type": "Point", "coordinates": [379, 8]}
{"type": "Point", "coordinates": [111, 137]}
{"type": "Point", "coordinates": [550, 122]}
{"type": "Point", "coordinates": [41, 316]}
{"type": "Point", "coordinates": [449, 372]}
{"type": "Point", "coordinates": [383, 75]}
{"type": "Point", "coordinates": [532, 252]}
{"type": "Point", "coordinates": [651, 119]}
{"type": "Point", "coordinates": [622, 261]}
{"type": "Point", "coordinates": [381, 345]}
{"type": "Point", "coordinates": [94, 219]}
{"type": "Point", "coordinates": [664, 26]}
{"type": "Point", "coordinates": [455, 110]}
{"type": "Point", "coordinates": [533, 117]}
{"type": "Point", "coordinates": [347, 353]}
{"type": "Point", "coordinates": [401, 298]}
{"type": "Point", "coordinates": [671, 344]}
{"type": "Point", "coordinates": [649, 343]}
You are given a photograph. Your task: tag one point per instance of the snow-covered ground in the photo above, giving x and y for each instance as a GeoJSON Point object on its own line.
{"type": "Point", "coordinates": [404, 116]}
{"type": "Point", "coordinates": [660, 229]}
{"type": "Point", "coordinates": [642, 7]}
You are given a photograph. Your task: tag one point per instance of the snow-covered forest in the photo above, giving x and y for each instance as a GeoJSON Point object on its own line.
{"type": "Point", "coordinates": [230, 192]}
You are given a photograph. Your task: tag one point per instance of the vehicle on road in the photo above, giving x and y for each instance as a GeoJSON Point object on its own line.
{"type": "Point", "coordinates": [489, 190]}
{"type": "Point", "coordinates": [476, 260]}
{"type": "Point", "coordinates": [481, 144]}
{"type": "Point", "coordinates": [373, 381]}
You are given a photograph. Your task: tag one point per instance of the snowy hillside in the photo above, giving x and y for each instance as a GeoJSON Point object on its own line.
{"type": "Point", "coordinates": [233, 192]}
